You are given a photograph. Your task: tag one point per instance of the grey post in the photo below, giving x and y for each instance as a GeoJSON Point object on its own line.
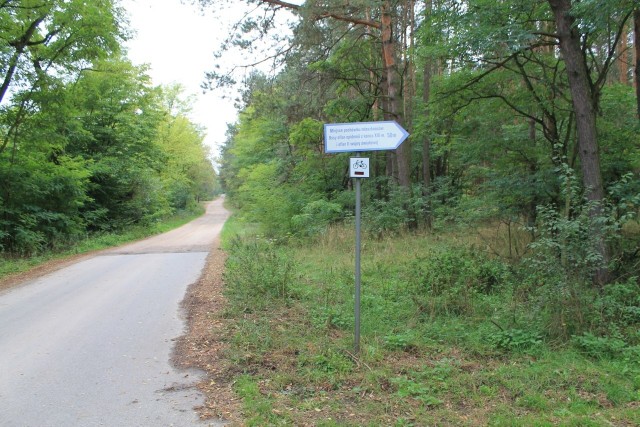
{"type": "Point", "coordinates": [358, 246]}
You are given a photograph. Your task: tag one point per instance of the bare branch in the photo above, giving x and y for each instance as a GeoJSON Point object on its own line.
{"type": "Point", "coordinates": [356, 21]}
{"type": "Point", "coordinates": [282, 4]}
{"type": "Point", "coordinates": [542, 33]}
{"type": "Point", "coordinates": [325, 15]}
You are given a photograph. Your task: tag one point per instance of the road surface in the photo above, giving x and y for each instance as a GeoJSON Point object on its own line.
{"type": "Point", "coordinates": [90, 345]}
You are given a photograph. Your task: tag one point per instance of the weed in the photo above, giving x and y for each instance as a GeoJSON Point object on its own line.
{"type": "Point", "coordinates": [599, 347]}
{"type": "Point", "coordinates": [261, 273]}
{"type": "Point", "coordinates": [329, 362]}
{"type": "Point", "coordinates": [408, 387]}
{"type": "Point", "coordinates": [402, 341]}
{"type": "Point", "coordinates": [618, 308]}
{"type": "Point", "coordinates": [332, 317]}
{"type": "Point", "coordinates": [515, 340]}
{"type": "Point", "coordinates": [258, 406]}
{"type": "Point", "coordinates": [430, 352]}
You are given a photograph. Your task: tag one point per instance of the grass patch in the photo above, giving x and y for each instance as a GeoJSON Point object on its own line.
{"type": "Point", "coordinates": [447, 339]}
{"type": "Point", "coordinates": [13, 265]}
{"type": "Point", "coordinates": [235, 228]}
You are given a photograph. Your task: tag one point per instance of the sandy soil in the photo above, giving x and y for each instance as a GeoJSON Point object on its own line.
{"type": "Point", "coordinates": [203, 346]}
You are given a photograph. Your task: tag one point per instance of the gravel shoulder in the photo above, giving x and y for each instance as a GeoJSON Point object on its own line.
{"type": "Point", "coordinates": [203, 345]}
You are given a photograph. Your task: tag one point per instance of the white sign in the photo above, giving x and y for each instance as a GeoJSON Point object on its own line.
{"type": "Point", "coordinates": [364, 136]}
{"type": "Point", "coordinates": [359, 167]}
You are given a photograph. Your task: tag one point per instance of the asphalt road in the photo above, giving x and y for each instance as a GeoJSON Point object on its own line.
{"type": "Point", "coordinates": [90, 345]}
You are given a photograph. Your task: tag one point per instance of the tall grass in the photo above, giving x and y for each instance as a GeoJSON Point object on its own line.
{"type": "Point", "coordinates": [450, 335]}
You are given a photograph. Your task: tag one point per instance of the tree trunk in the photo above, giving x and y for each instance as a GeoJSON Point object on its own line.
{"type": "Point", "coordinates": [403, 153]}
{"type": "Point", "coordinates": [582, 95]}
{"type": "Point", "coordinates": [426, 142]}
{"type": "Point", "coordinates": [636, 49]}
{"type": "Point", "coordinates": [622, 61]}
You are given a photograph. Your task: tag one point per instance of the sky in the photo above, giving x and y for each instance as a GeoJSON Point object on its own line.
{"type": "Point", "coordinates": [178, 41]}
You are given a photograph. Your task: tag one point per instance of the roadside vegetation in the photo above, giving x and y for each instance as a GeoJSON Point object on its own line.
{"type": "Point", "coordinates": [501, 258]}
{"type": "Point", "coordinates": [10, 265]}
{"type": "Point", "coordinates": [451, 334]}
{"type": "Point", "coordinates": [91, 152]}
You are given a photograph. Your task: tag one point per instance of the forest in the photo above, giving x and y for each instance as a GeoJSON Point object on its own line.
{"type": "Point", "coordinates": [522, 115]}
{"type": "Point", "coordinates": [501, 260]}
{"type": "Point", "coordinates": [501, 257]}
{"type": "Point", "coordinates": [88, 144]}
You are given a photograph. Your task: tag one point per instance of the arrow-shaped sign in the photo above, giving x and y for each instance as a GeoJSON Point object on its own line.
{"type": "Point", "coordinates": [363, 136]}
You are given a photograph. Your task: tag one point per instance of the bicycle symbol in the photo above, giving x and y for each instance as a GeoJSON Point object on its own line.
{"type": "Point", "coordinates": [360, 164]}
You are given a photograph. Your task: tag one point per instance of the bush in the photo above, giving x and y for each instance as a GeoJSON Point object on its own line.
{"type": "Point", "coordinates": [620, 303]}
{"type": "Point", "coordinates": [40, 203]}
{"type": "Point", "coordinates": [264, 199]}
{"type": "Point", "coordinates": [515, 340]}
{"type": "Point", "coordinates": [600, 347]}
{"type": "Point", "coordinates": [315, 217]}
{"type": "Point", "coordinates": [401, 209]}
{"type": "Point", "coordinates": [257, 274]}
{"type": "Point", "coordinates": [382, 216]}
{"type": "Point", "coordinates": [449, 281]}
{"type": "Point", "coordinates": [559, 270]}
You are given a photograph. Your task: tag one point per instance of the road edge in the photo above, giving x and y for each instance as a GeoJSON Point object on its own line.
{"type": "Point", "coordinates": [204, 342]}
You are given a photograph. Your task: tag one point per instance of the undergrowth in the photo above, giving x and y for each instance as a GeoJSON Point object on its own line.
{"type": "Point", "coordinates": [450, 336]}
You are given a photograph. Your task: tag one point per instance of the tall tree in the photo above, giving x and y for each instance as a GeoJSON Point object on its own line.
{"type": "Point", "coordinates": [52, 39]}
{"type": "Point", "coordinates": [585, 94]}
{"type": "Point", "coordinates": [513, 36]}
{"type": "Point", "coordinates": [636, 47]}
{"type": "Point", "coordinates": [359, 14]}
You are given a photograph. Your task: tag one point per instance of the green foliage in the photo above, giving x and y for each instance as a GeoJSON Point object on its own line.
{"type": "Point", "coordinates": [619, 304]}
{"type": "Point", "coordinates": [328, 362]}
{"type": "Point", "coordinates": [40, 202]}
{"type": "Point", "coordinates": [619, 136]}
{"type": "Point", "coordinates": [271, 205]}
{"type": "Point", "coordinates": [254, 402]}
{"type": "Point", "coordinates": [86, 157]}
{"type": "Point", "coordinates": [562, 261]}
{"type": "Point", "coordinates": [315, 217]}
{"type": "Point", "coordinates": [500, 127]}
{"type": "Point", "coordinates": [600, 347]}
{"type": "Point", "coordinates": [53, 39]}
{"type": "Point", "coordinates": [298, 348]}
{"type": "Point", "coordinates": [261, 274]}
{"type": "Point", "coordinates": [391, 215]}
{"type": "Point", "coordinates": [565, 247]}
{"type": "Point", "coordinates": [451, 281]}
{"type": "Point", "coordinates": [332, 317]}
{"type": "Point", "coordinates": [516, 340]}
{"type": "Point", "coordinates": [403, 341]}
{"type": "Point", "coordinates": [410, 388]}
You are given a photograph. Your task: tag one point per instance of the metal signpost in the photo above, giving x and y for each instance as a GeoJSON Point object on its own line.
{"type": "Point", "coordinates": [356, 137]}
{"type": "Point", "coordinates": [369, 136]}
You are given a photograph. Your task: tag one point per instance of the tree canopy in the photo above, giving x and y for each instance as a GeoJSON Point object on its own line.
{"type": "Point", "coordinates": [514, 107]}
{"type": "Point", "coordinates": [87, 143]}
